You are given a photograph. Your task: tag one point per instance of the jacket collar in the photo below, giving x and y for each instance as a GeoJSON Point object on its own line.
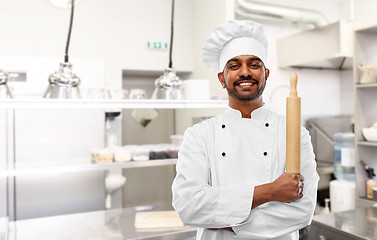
{"type": "Point", "coordinates": [258, 114]}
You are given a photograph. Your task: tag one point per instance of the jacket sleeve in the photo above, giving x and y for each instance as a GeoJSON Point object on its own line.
{"type": "Point", "coordinates": [274, 219]}
{"type": "Point", "coordinates": [195, 200]}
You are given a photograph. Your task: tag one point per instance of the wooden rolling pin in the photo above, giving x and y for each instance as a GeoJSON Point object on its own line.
{"type": "Point", "coordinates": [293, 129]}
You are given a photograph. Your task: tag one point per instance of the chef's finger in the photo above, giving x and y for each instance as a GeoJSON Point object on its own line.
{"type": "Point", "coordinates": [300, 196]}
{"type": "Point", "coordinates": [300, 177]}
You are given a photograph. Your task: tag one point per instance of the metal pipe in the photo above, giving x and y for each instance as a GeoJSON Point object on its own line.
{"type": "Point", "coordinates": [278, 12]}
{"type": "Point", "coordinates": [319, 130]}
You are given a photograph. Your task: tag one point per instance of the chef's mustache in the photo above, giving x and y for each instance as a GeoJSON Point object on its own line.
{"type": "Point", "coordinates": [243, 78]}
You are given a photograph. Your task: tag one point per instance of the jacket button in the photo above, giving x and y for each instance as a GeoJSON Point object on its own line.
{"type": "Point", "coordinates": [266, 124]}
{"type": "Point", "coordinates": [223, 126]}
{"type": "Point", "coordinates": [265, 153]}
{"type": "Point", "coordinates": [223, 154]}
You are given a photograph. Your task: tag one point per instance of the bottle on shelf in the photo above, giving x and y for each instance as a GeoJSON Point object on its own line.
{"type": "Point", "coordinates": [370, 183]}
{"type": "Point", "coordinates": [342, 190]}
{"type": "Point", "coordinates": [344, 164]}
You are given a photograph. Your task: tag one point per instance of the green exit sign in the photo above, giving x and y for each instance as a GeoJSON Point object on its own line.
{"type": "Point", "coordinates": [157, 45]}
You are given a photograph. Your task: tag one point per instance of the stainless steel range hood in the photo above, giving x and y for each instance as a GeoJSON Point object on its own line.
{"type": "Point", "coordinates": [327, 47]}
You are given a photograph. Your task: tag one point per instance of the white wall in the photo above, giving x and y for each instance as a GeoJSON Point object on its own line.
{"type": "Point", "coordinates": [115, 31]}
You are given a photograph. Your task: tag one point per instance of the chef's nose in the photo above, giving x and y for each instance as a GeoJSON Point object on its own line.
{"type": "Point", "coordinates": [244, 71]}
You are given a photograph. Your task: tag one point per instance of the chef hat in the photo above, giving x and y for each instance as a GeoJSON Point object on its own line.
{"type": "Point", "coordinates": [234, 38]}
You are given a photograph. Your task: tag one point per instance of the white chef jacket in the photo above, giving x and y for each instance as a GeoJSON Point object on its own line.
{"type": "Point", "coordinates": [220, 162]}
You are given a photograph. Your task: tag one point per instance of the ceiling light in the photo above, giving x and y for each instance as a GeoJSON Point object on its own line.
{"type": "Point", "coordinates": [64, 83]}
{"type": "Point", "coordinates": [4, 89]}
{"type": "Point", "coordinates": [169, 85]}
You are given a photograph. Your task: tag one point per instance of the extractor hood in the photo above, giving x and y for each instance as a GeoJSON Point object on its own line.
{"type": "Point", "coordinates": [326, 47]}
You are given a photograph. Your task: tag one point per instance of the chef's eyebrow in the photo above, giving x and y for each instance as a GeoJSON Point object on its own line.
{"type": "Point", "coordinates": [250, 59]}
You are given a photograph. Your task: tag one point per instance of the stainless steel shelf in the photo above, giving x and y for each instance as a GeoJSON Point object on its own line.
{"type": "Point", "coordinates": [77, 165]}
{"type": "Point", "coordinates": [371, 28]}
{"type": "Point", "coordinates": [367, 143]}
{"type": "Point", "coordinates": [41, 103]}
{"type": "Point", "coordinates": [372, 85]}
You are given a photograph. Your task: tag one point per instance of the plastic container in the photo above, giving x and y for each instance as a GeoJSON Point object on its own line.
{"type": "Point", "coordinates": [344, 164]}
{"type": "Point", "coordinates": [176, 140]}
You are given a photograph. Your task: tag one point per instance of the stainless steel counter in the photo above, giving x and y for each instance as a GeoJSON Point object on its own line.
{"type": "Point", "coordinates": [99, 225]}
{"type": "Point", "coordinates": [357, 224]}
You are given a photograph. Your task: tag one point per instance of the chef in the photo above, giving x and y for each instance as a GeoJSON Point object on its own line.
{"type": "Point", "coordinates": [231, 180]}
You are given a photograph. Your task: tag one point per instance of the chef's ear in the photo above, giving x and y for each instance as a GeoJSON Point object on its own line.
{"type": "Point", "coordinates": [267, 73]}
{"type": "Point", "coordinates": [220, 76]}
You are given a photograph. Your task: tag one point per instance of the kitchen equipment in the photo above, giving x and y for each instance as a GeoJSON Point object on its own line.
{"type": "Point", "coordinates": [144, 116]}
{"type": "Point", "coordinates": [322, 131]}
{"type": "Point", "coordinates": [117, 93]}
{"type": "Point", "coordinates": [196, 89]}
{"type": "Point", "coordinates": [63, 83]}
{"type": "Point", "coordinates": [157, 151]}
{"type": "Point", "coordinates": [112, 183]}
{"type": "Point", "coordinates": [176, 140]}
{"type": "Point", "coordinates": [168, 86]}
{"type": "Point", "coordinates": [370, 134]}
{"type": "Point", "coordinates": [368, 73]}
{"type": "Point", "coordinates": [4, 89]}
{"type": "Point", "coordinates": [105, 155]}
{"type": "Point", "coordinates": [140, 153]}
{"type": "Point", "coordinates": [122, 155]}
{"type": "Point", "coordinates": [293, 128]}
{"type": "Point", "coordinates": [370, 183]}
{"type": "Point", "coordinates": [342, 195]}
{"type": "Point", "coordinates": [137, 93]}
{"type": "Point", "coordinates": [375, 193]}
{"type": "Point", "coordinates": [344, 164]}
{"type": "Point", "coordinates": [157, 220]}
{"type": "Point", "coordinates": [326, 47]}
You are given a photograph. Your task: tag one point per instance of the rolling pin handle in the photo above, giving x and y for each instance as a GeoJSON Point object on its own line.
{"type": "Point", "coordinates": [293, 92]}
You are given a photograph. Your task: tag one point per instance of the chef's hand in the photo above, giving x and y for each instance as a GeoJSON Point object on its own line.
{"type": "Point", "coordinates": [288, 187]}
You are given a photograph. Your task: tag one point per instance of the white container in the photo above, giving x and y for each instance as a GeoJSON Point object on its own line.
{"type": "Point", "coordinates": [176, 140]}
{"type": "Point", "coordinates": [196, 89]}
{"type": "Point", "coordinates": [370, 134]}
{"type": "Point", "coordinates": [122, 155]}
{"type": "Point", "coordinates": [342, 195]}
{"type": "Point", "coordinates": [368, 73]}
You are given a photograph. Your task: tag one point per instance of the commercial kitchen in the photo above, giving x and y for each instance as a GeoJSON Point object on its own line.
{"type": "Point", "coordinates": [95, 99]}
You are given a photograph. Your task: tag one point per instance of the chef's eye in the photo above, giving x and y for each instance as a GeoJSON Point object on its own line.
{"type": "Point", "coordinates": [255, 65]}
{"type": "Point", "coordinates": [233, 66]}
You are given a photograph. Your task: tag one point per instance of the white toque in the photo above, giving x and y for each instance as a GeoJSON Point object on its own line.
{"type": "Point", "coordinates": [234, 38]}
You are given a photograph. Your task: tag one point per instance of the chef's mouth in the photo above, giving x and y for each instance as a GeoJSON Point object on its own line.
{"type": "Point", "coordinates": [245, 82]}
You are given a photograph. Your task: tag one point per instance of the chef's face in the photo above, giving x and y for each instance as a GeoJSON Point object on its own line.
{"type": "Point", "coordinates": [244, 77]}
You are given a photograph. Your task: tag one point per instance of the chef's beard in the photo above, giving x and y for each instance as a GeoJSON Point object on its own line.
{"type": "Point", "coordinates": [245, 98]}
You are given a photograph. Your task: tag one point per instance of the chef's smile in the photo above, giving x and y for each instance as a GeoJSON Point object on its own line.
{"type": "Point", "coordinates": [245, 85]}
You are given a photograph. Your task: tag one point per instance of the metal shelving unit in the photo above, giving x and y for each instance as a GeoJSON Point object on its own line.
{"type": "Point", "coordinates": [3, 228]}
{"type": "Point", "coordinates": [365, 103]}
{"type": "Point", "coordinates": [366, 143]}
{"type": "Point", "coordinates": [110, 104]}
{"type": "Point", "coordinates": [77, 165]}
